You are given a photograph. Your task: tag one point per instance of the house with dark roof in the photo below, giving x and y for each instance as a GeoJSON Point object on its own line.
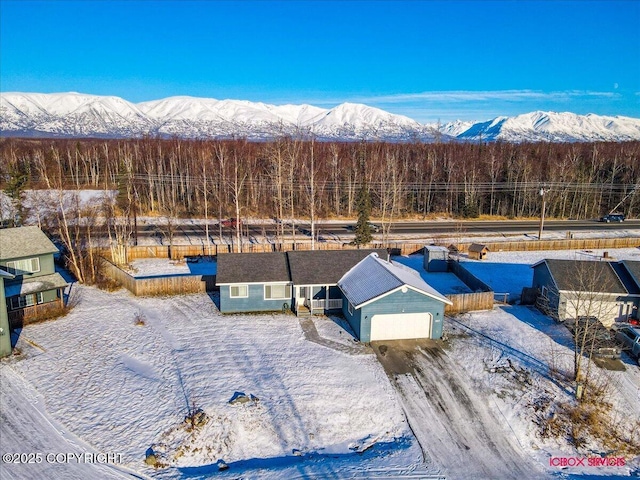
{"type": "Point", "coordinates": [303, 281]}
{"type": "Point", "coordinates": [315, 276]}
{"type": "Point", "coordinates": [572, 288]}
{"type": "Point", "coordinates": [254, 282]}
{"type": "Point", "coordinates": [388, 301]}
{"type": "Point", "coordinates": [632, 283]}
{"type": "Point", "coordinates": [35, 289]}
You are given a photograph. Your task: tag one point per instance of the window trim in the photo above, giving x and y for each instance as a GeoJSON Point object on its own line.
{"type": "Point", "coordinates": [350, 308]}
{"type": "Point", "coordinates": [19, 302]}
{"type": "Point", "coordinates": [13, 268]}
{"type": "Point", "coordinates": [239, 286]}
{"type": "Point", "coordinates": [287, 287]}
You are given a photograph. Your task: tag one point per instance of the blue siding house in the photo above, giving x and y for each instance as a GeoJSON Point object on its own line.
{"type": "Point", "coordinates": [305, 281]}
{"type": "Point", "coordinates": [258, 282]}
{"type": "Point", "coordinates": [388, 301]}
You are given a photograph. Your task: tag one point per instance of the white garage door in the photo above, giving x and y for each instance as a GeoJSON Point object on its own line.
{"type": "Point", "coordinates": [402, 326]}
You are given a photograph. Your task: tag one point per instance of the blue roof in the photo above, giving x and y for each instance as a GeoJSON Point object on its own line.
{"type": "Point", "coordinates": [374, 277]}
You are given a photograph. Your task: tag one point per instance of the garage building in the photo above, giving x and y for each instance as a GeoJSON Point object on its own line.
{"type": "Point", "coordinates": [388, 301]}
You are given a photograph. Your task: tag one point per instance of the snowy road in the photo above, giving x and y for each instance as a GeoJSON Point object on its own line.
{"type": "Point", "coordinates": [454, 425]}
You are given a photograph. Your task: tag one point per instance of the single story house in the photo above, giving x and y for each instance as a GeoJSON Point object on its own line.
{"type": "Point", "coordinates": [257, 282]}
{"type": "Point", "coordinates": [303, 281]}
{"type": "Point", "coordinates": [315, 275]}
{"type": "Point", "coordinates": [36, 289]}
{"type": "Point", "coordinates": [572, 288]}
{"type": "Point", "coordinates": [388, 301]}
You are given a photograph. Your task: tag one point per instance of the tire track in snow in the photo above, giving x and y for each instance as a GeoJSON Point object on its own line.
{"type": "Point", "coordinates": [454, 425]}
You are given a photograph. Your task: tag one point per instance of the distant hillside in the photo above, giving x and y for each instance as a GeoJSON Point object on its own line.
{"type": "Point", "coordinates": [74, 115]}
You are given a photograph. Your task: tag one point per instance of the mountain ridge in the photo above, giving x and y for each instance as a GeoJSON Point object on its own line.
{"type": "Point", "coordinates": [77, 115]}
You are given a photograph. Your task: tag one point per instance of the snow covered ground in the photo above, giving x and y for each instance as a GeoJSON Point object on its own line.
{"type": "Point", "coordinates": [94, 382]}
{"type": "Point", "coordinates": [150, 267]}
{"type": "Point", "coordinates": [124, 388]}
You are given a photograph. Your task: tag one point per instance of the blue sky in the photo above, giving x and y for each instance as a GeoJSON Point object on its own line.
{"type": "Point", "coordinates": [428, 60]}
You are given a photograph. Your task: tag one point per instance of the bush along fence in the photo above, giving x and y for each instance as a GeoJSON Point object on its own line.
{"type": "Point", "coordinates": [160, 285]}
{"type": "Point", "coordinates": [178, 252]}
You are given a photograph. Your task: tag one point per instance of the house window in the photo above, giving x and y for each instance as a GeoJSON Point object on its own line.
{"type": "Point", "coordinates": [26, 301]}
{"type": "Point", "coordinates": [277, 292]}
{"type": "Point", "coordinates": [239, 291]}
{"type": "Point", "coordinates": [28, 265]}
{"type": "Point", "coordinates": [350, 308]}
{"type": "Point", "coordinates": [544, 292]}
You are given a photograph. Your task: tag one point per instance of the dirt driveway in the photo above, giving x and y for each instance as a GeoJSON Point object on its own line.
{"type": "Point", "coordinates": [454, 424]}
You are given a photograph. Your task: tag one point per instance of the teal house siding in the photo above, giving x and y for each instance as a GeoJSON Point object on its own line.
{"type": "Point", "coordinates": [254, 302]}
{"type": "Point", "coordinates": [353, 319]}
{"type": "Point", "coordinates": [34, 289]}
{"type": "Point", "coordinates": [47, 266]}
{"type": "Point", "coordinates": [398, 302]}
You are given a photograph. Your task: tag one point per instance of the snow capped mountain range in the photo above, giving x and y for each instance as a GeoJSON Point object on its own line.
{"type": "Point", "coordinates": [77, 115]}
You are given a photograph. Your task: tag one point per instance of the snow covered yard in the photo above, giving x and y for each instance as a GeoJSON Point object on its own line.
{"type": "Point", "coordinates": [150, 267]}
{"type": "Point", "coordinates": [509, 272]}
{"type": "Point", "coordinates": [124, 388]}
{"type": "Point", "coordinates": [120, 374]}
{"type": "Point", "coordinates": [515, 357]}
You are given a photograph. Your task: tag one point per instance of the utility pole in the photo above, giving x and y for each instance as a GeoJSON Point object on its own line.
{"type": "Point", "coordinates": [544, 204]}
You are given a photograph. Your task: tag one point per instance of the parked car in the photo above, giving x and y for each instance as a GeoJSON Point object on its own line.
{"type": "Point", "coordinates": [629, 337]}
{"type": "Point", "coordinates": [593, 331]}
{"type": "Point", "coordinates": [231, 223]}
{"type": "Point", "coordinates": [612, 217]}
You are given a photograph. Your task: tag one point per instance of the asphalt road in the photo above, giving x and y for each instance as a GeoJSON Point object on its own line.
{"type": "Point", "coordinates": [425, 228]}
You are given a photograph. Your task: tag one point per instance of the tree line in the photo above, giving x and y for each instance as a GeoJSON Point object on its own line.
{"type": "Point", "coordinates": [295, 178]}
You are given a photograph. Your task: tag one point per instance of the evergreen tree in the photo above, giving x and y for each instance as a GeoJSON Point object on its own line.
{"type": "Point", "coordinates": [363, 229]}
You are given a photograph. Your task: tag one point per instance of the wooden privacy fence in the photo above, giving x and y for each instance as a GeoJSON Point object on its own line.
{"type": "Point", "coordinates": [468, 302]}
{"type": "Point", "coordinates": [178, 252]}
{"type": "Point", "coordinates": [482, 297]}
{"type": "Point", "coordinates": [160, 285]}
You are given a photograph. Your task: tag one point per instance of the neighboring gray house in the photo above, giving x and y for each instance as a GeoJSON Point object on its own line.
{"type": "Point", "coordinates": [254, 282]}
{"type": "Point", "coordinates": [35, 290]}
{"type": "Point", "coordinates": [388, 301]}
{"type": "Point", "coordinates": [631, 279]}
{"type": "Point", "coordinates": [303, 281]}
{"type": "Point", "coordinates": [572, 288]}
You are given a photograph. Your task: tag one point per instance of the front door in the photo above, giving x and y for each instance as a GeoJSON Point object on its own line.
{"type": "Point", "coordinates": [302, 295]}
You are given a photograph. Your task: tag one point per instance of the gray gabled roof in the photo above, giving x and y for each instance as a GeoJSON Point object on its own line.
{"type": "Point", "coordinates": [624, 272]}
{"type": "Point", "coordinates": [633, 267]}
{"type": "Point", "coordinates": [325, 267]}
{"type": "Point", "coordinates": [23, 242]}
{"type": "Point", "coordinates": [478, 247]}
{"type": "Point", "coordinates": [252, 268]}
{"type": "Point", "coordinates": [584, 276]}
{"type": "Point", "coordinates": [374, 277]}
